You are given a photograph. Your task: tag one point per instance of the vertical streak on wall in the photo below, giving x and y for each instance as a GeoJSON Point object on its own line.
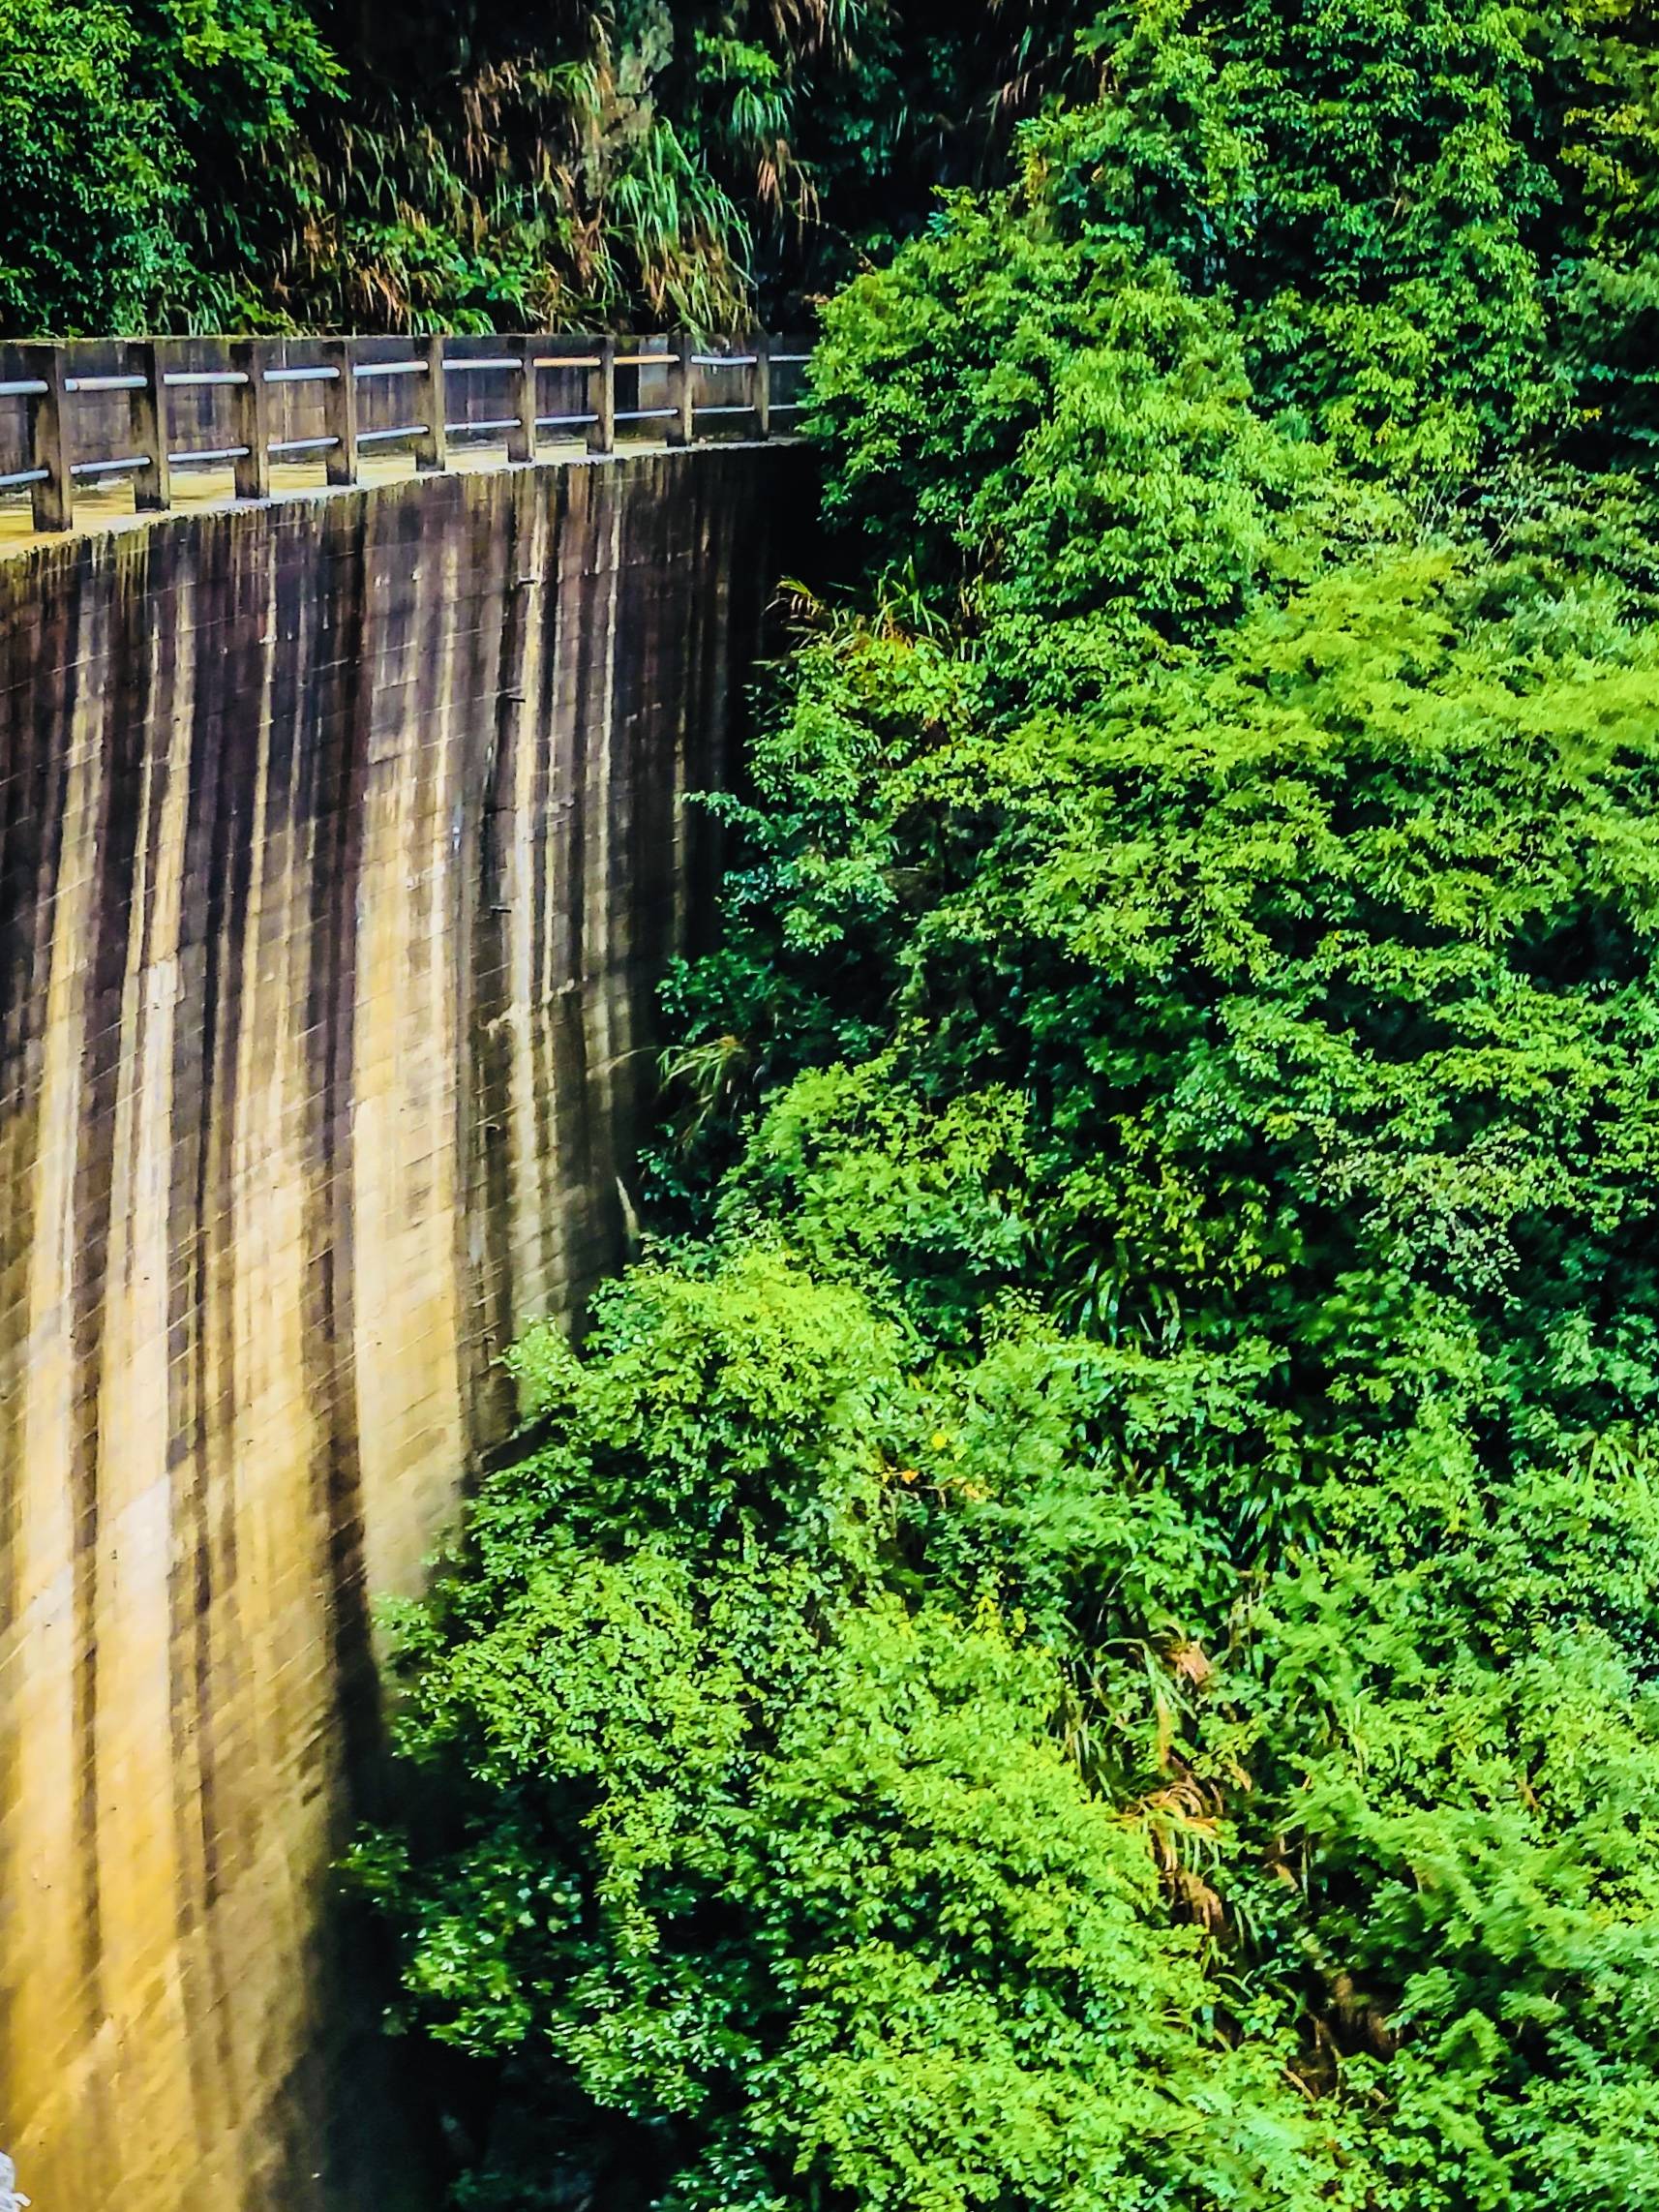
{"type": "Point", "coordinates": [341, 844]}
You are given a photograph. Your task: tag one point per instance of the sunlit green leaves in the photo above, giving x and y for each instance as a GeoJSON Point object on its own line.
{"type": "Point", "coordinates": [1086, 1631]}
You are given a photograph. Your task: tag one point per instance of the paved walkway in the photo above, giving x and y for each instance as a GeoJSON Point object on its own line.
{"type": "Point", "coordinates": [108, 504]}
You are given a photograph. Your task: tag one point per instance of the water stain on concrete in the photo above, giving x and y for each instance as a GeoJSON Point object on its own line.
{"type": "Point", "coordinates": [343, 841]}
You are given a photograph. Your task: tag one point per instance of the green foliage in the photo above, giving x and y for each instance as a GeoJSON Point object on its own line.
{"type": "Point", "coordinates": [1086, 1632]}
{"type": "Point", "coordinates": [1438, 222]}
{"type": "Point", "coordinates": [89, 162]}
{"type": "Point", "coordinates": [774, 1853]}
{"type": "Point", "coordinates": [1432, 230]}
{"type": "Point", "coordinates": [111, 117]}
{"type": "Point", "coordinates": [470, 165]}
{"type": "Point", "coordinates": [1221, 1317]}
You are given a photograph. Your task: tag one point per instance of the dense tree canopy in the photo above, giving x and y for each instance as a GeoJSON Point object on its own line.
{"type": "Point", "coordinates": [1084, 1630]}
{"type": "Point", "coordinates": [1376, 185]}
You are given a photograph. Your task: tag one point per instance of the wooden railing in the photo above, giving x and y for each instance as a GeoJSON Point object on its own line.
{"type": "Point", "coordinates": [137, 409]}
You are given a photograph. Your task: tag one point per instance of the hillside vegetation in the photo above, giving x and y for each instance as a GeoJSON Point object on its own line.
{"type": "Point", "coordinates": [470, 165]}
{"type": "Point", "coordinates": [1082, 1634]}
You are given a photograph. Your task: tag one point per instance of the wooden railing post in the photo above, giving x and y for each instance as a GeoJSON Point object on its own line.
{"type": "Point", "coordinates": [340, 409]}
{"type": "Point", "coordinates": [682, 423]}
{"type": "Point", "coordinates": [47, 441]}
{"type": "Point", "coordinates": [761, 388]}
{"type": "Point", "coordinates": [147, 418]}
{"type": "Point", "coordinates": [250, 413]}
{"type": "Point", "coordinates": [522, 437]}
{"type": "Point", "coordinates": [432, 447]}
{"type": "Point", "coordinates": [602, 400]}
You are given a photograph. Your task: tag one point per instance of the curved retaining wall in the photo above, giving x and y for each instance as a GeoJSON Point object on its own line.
{"type": "Point", "coordinates": [341, 845]}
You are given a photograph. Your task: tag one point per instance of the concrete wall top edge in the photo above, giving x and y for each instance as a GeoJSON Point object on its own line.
{"type": "Point", "coordinates": [101, 513]}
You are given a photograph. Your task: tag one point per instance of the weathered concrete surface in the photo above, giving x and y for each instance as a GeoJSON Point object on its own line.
{"type": "Point", "coordinates": [340, 846]}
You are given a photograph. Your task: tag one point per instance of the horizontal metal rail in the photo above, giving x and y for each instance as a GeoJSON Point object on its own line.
{"type": "Point", "coordinates": [256, 401]}
{"type": "Point", "coordinates": [106, 467]}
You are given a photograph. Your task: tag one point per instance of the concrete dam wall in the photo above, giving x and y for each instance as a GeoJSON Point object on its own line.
{"type": "Point", "coordinates": [342, 844]}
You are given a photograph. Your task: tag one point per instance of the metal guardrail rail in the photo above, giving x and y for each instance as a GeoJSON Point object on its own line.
{"type": "Point", "coordinates": [594, 385]}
